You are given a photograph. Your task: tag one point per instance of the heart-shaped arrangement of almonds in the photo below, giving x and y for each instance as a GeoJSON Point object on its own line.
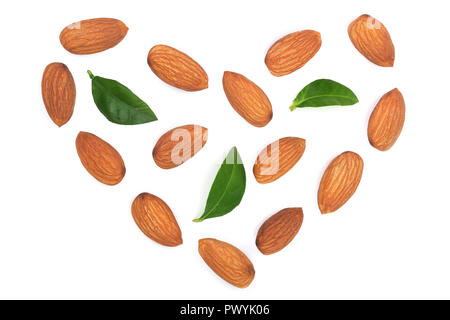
{"type": "Point", "coordinates": [121, 106]}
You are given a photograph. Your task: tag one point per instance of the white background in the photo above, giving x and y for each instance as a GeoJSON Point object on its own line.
{"type": "Point", "coordinates": [65, 235]}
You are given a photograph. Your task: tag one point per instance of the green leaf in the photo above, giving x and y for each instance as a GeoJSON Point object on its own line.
{"type": "Point", "coordinates": [118, 104]}
{"type": "Point", "coordinates": [324, 93]}
{"type": "Point", "coordinates": [228, 187]}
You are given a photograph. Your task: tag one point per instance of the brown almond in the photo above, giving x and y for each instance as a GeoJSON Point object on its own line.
{"type": "Point", "coordinates": [58, 92]}
{"type": "Point", "coordinates": [386, 121]}
{"type": "Point", "coordinates": [93, 35]}
{"type": "Point", "coordinates": [249, 101]}
{"type": "Point", "coordinates": [100, 159]}
{"type": "Point", "coordinates": [279, 230]}
{"type": "Point", "coordinates": [227, 261]}
{"type": "Point", "coordinates": [155, 219]}
{"type": "Point", "coordinates": [177, 68]}
{"type": "Point", "coordinates": [292, 52]}
{"type": "Point", "coordinates": [178, 145]}
{"type": "Point", "coordinates": [278, 158]}
{"type": "Point", "coordinates": [372, 40]}
{"type": "Point", "coordinates": [340, 181]}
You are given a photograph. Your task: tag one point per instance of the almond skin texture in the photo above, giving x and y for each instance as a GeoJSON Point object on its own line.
{"type": "Point", "coordinates": [92, 36]}
{"type": "Point", "coordinates": [279, 230]}
{"type": "Point", "coordinates": [247, 99]}
{"type": "Point", "coordinates": [372, 40]}
{"type": "Point", "coordinates": [292, 52]}
{"type": "Point", "coordinates": [227, 261]}
{"type": "Point", "coordinates": [178, 145]}
{"type": "Point", "coordinates": [278, 158]}
{"type": "Point", "coordinates": [177, 68]}
{"type": "Point", "coordinates": [340, 181]}
{"type": "Point", "coordinates": [386, 121]}
{"type": "Point", "coordinates": [155, 219]}
{"type": "Point", "coordinates": [58, 92]}
{"type": "Point", "coordinates": [100, 159]}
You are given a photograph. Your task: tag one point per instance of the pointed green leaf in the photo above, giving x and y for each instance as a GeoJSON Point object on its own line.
{"type": "Point", "coordinates": [228, 188]}
{"type": "Point", "coordinates": [118, 104]}
{"type": "Point", "coordinates": [323, 93]}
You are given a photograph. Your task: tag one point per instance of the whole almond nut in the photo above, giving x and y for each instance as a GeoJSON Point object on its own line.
{"type": "Point", "coordinates": [292, 52]}
{"type": "Point", "coordinates": [340, 181]}
{"type": "Point", "coordinates": [178, 145]}
{"type": "Point", "coordinates": [278, 158]}
{"type": "Point", "coordinates": [100, 159]}
{"type": "Point", "coordinates": [249, 101]}
{"type": "Point", "coordinates": [58, 92]}
{"type": "Point", "coordinates": [227, 261]}
{"type": "Point", "coordinates": [386, 121]}
{"type": "Point", "coordinates": [155, 219]}
{"type": "Point", "coordinates": [93, 35]}
{"type": "Point", "coordinates": [279, 230]}
{"type": "Point", "coordinates": [177, 68]}
{"type": "Point", "coordinates": [372, 40]}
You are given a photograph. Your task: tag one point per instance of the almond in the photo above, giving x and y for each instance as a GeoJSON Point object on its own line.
{"type": "Point", "coordinates": [292, 52]}
{"type": "Point", "coordinates": [278, 158]}
{"type": "Point", "coordinates": [279, 230]}
{"type": "Point", "coordinates": [155, 219]}
{"type": "Point", "coordinates": [178, 145]}
{"type": "Point", "coordinates": [227, 261]}
{"type": "Point", "coordinates": [340, 181]}
{"type": "Point", "coordinates": [386, 121]}
{"type": "Point", "coordinates": [177, 68]}
{"type": "Point", "coordinates": [100, 159]}
{"type": "Point", "coordinates": [247, 99]}
{"type": "Point", "coordinates": [94, 35]}
{"type": "Point", "coordinates": [58, 92]}
{"type": "Point", "coordinates": [372, 40]}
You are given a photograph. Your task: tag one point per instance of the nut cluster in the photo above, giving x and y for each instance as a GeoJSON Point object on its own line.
{"type": "Point", "coordinates": [290, 53]}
